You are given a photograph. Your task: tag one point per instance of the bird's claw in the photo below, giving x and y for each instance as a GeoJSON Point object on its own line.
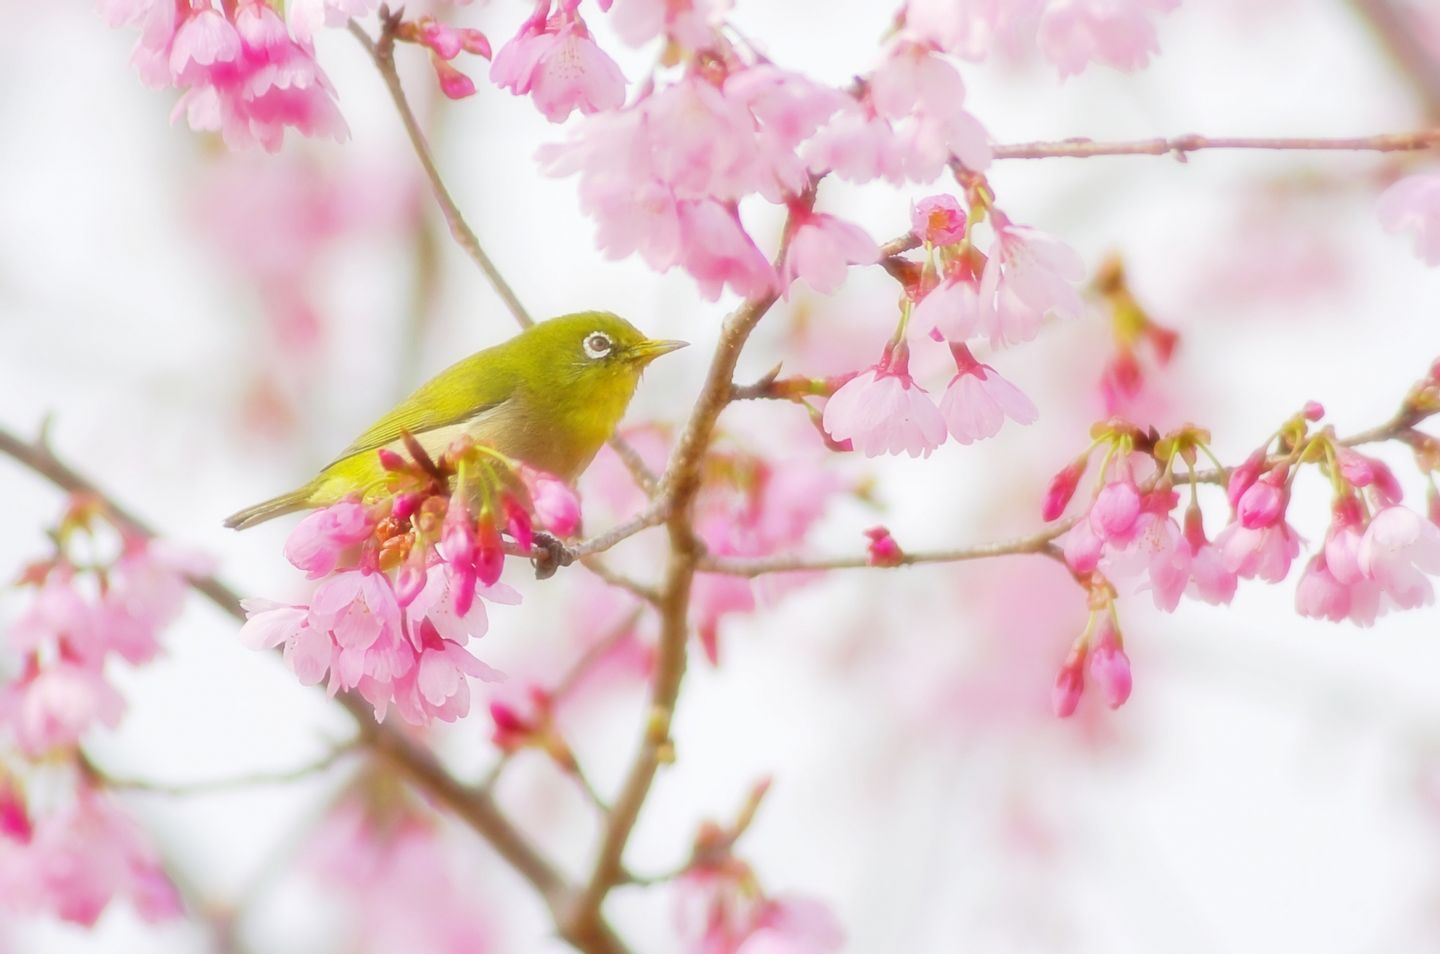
{"type": "Point", "coordinates": [548, 554]}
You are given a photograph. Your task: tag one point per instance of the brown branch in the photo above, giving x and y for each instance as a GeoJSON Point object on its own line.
{"type": "Point", "coordinates": [1181, 146]}
{"type": "Point", "coordinates": [382, 51]}
{"type": "Point", "coordinates": [421, 768]}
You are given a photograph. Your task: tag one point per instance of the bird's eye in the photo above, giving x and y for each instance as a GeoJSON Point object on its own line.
{"type": "Point", "coordinates": [598, 345]}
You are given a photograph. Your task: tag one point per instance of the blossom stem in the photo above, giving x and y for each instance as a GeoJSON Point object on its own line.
{"type": "Point", "coordinates": [281, 777]}
{"type": "Point", "coordinates": [1180, 147]}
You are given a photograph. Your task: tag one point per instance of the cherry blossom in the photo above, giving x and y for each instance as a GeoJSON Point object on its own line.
{"type": "Point", "coordinates": [978, 400]}
{"type": "Point", "coordinates": [1029, 275]}
{"type": "Point", "coordinates": [822, 247]}
{"type": "Point", "coordinates": [557, 63]}
{"type": "Point", "coordinates": [883, 411]}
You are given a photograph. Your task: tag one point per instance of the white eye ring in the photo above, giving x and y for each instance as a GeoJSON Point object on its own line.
{"type": "Point", "coordinates": [598, 345]}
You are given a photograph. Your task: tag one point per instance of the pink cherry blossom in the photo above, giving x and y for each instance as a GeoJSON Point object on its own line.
{"type": "Point", "coordinates": [1117, 506]}
{"type": "Point", "coordinates": [1069, 686]}
{"type": "Point", "coordinates": [718, 252]}
{"type": "Point", "coordinates": [1320, 595]}
{"type": "Point", "coordinates": [1362, 471]}
{"type": "Point", "coordinates": [1074, 33]}
{"type": "Point", "coordinates": [1412, 205]}
{"type": "Point", "coordinates": [1028, 276]}
{"type": "Point", "coordinates": [1210, 580]}
{"type": "Point", "coordinates": [558, 64]}
{"type": "Point", "coordinates": [978, 400]}
{"type": "Point", "coordinates": [882, 548]}
{"type": "Point", "coordinates": [557, 509]}
{"type": "Point", "coordinates": [952, 309]}
{"type": "Point", "coordinates": [1264, 553]}
{"type": "Point", "coordinates": [793, 925]}
{"type": "Point", "coordinates": [938, 220]}
{"type": "Point", "coordinates": [857, 146]}
{"type": "Point", "coordinates": [249, 80]}
{"type": "Point", "coordinates": [1400, 550]}
{"type": "Point", "coordinates": [1062, 488]}
{"type": "Point", "coordinates": [1265, 500]}
{"type": "Point", "coordinates": [59, 615]}
{"type": "Point", "coordinates": [822, 247]}
{"type": "Point", "coordinates": [922, 95]}
{"type": "Point", "coordinates": [883, 411]}
{"type": "Point", "coordinates": [306, 16]}
{"type": "Point", "coordinates": [319, 540]}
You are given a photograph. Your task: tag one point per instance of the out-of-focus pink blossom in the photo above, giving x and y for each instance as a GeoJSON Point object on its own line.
{"type": "Point", "coordinates": [1362, 471]}
{"type": "Point", "coordinates": [822, 247]}
{"type": "Point", "coordinates": [403, 885]}
{"type": "Point", "coordinates": [1075, 33]}
{"type": "Point", "coordinates": [1412, 206]}
{"type": "Point", "coordinates": [883, 411]}
{"type": "Point", "coordinates": [882, 548]}
{"type": "Point", "coordinates": [1400, 550]}
{"type": "Point", "coordinates": [50, 707]}
{"type": "Point", "coordinates": [557, 509]}
{"type": "Point", "coordinates": [857, 146]}
{"type": "Point", "coordinates": [689, 23]}
{"type": "Point", "coordinates": [1069, 686]}
{"type": "Point", "coordinates": [978, 400]}
{"type": "Point", "coordinates": [559, 66]}
{"type": "Point", "coordinates": [306, 16]}
{"type": "Point", "coordinates": [922, 95]}
{"type": "Point", "coordinates": [86, 854]}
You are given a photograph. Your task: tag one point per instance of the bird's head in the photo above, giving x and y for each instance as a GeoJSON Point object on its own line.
{"type": "Point", "coordinates": [592, 351]}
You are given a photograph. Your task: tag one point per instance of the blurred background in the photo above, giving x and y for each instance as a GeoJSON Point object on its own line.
{"type": "Point", "coordinates": [203, 328]}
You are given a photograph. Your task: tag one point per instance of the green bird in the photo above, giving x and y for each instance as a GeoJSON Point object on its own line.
{"type": "Point", "coordinates": [548, 397]}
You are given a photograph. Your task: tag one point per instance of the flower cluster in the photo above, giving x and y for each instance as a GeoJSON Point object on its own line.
{"type": "Point", "coordinates": [404, 579]}
{"type": "Point", "coordinates": [1377, 554]}
{"type": "Point", "coordinates": [722, 909]}
{"type": "Point", "coordinates": [249, 72]}
{"type": "Point", "coordinates": [105, 593]}
{"type": "Point", "coordinates": [398, 879]}
{"type": "Point", "coordinates": [960, 295]}
{"type": "Point", "coordinates": [73, 859]}
{"type": "Point", "coordinates": [244, 73]}
{"type": "Point", "coordinates": [1098, 650]}
{"type": "Point", "coordinates": [87, 607]}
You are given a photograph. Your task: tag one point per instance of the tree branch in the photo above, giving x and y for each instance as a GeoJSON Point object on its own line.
{"type": "Point", "coordinates": [420, 767]}
{"type": "Point", "coordinates": [1181, 146]}
{"type": "Point", "coordinates": [382, 51]}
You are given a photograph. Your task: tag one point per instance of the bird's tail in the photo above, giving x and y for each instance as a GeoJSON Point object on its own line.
{"type": "Point", "coordinates": [269, 509]}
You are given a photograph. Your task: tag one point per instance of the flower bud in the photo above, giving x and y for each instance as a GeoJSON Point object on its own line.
{"type": "Point", "coordinates": [883, 549]}
{"type": "Point", "coordinates": [1313, 410]}
{"type": "Point", "coordinates": [1243, 476]}
{"type": "Point", "coordinates": [1116, 508]}
{"type": "Point", "coordinates": [1062, 488]}
{"type": "Point", "coordinates": [1069, 684]}
{"type": "Point", "coordinates": [1109, 666]}
{"type": "Point", "coordinates": [1264, 501]}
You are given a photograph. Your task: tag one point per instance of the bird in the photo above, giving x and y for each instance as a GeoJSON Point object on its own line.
{"type": "Point", "coordinates": [548, 397]}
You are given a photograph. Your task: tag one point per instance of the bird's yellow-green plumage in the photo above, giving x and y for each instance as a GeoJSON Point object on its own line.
{"type": "Point", "coordinates": [549, 397]}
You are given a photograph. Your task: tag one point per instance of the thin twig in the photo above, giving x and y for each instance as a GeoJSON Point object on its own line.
{"type": "Point", "coordinates": [208, 786]}
{"type": "Point", "coordinates": [382, 51]}
{"type": "Point", "coordinates": [1182, 146]}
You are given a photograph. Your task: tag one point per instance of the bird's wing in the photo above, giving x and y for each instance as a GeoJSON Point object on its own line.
{"type": "Point", "coordinates": [455, 396]}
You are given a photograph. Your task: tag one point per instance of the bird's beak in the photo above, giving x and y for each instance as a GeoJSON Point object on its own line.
{"type": "Point", "coordinates": [650, 349]}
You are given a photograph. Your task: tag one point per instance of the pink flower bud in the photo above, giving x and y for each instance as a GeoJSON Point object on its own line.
{"type": "Point", "coordinates": [1109, 666]}
{"type": "Point", "coordinates": [883, 549]}
{"type": "Point", "coordinates": [445, 41]}
{"type": "Point", "coordinates": [392, 461]}
{"type": "Point", "coordinates": [1069, 684]}
{"type": "Point", "coordinates": [1062, 488]}
{"type": "Point", "coordinates": [512, 730]}
{"type": "Point", "coordinates": [453, 83]}
{"type": "Point", "coordinates": [1264, 502]}
{"type": "Point", "coordinates": [938, 219]}
{"type": "Point", "coordinates": [408, 583]}
{"type": "Point", "coordinates": [475, 42]}
{"type": "Point", "coordinates": [557, 509]}
{"type": "Point", "coordinates": [1116, 509]}
{"type": "Point", "coordinates": [1363, 471]}
{"type": "Point", "coordinates": [14, 816]}
{"type": "Point", "coordinates": [1243, 476]}
{"type": "Point", "coordinates": [1313, 410]}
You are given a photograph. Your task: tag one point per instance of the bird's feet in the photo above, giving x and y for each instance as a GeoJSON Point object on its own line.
{"type": "Point", "coordinates": [548, 554]}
